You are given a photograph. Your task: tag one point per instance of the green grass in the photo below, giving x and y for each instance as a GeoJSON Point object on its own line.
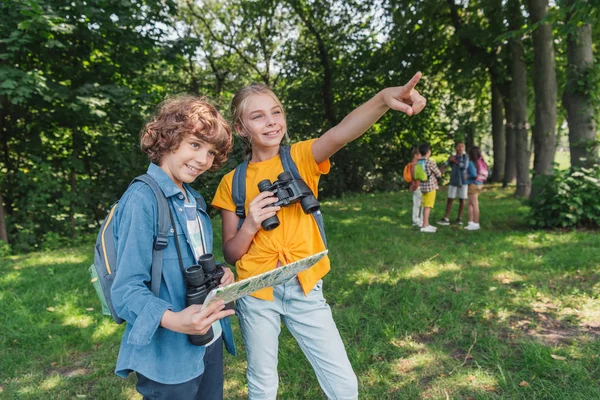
{"type": "Point", "coordinates": [501, 313]}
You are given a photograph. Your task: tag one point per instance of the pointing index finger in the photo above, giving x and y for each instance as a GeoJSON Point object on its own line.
{"type": "Point", "coordinates": [413, 81]}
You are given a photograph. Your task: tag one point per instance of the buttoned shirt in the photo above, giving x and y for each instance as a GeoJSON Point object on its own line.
{"type": "Point", "coordinates": [433, 173]}
{"type": "Point", "coordinates": [157, 353]}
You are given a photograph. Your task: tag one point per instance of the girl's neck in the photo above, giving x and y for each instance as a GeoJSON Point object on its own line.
{"type": "Point", "coordinates": [263, 154]}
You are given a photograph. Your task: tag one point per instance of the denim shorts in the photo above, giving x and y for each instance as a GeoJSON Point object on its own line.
{"type": "Point", "coordinates": [309, 320]}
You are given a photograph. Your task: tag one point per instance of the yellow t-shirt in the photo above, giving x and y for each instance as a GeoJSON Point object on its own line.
{"type": "Point", "coordinates": [296, 237]}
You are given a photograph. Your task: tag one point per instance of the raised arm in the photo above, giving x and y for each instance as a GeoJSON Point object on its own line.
{"type": "Point", "coordinates": [405, 99]}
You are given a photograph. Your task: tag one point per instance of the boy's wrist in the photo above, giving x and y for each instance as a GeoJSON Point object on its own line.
{"type": "Point", "coordinates": [169, 320]}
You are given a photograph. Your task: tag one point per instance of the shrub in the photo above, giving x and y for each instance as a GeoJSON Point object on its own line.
{"type": "Point", "coordinates": [4, 249]}
{"type": "Point", "coordinates": [569, 198]}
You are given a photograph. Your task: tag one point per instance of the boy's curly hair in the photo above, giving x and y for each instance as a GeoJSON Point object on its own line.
{"type": "Point", "coordinates": [180, 116]}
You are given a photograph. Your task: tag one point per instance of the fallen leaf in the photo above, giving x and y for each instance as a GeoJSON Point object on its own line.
{"type": "Point", "coordinates": [524, 384]}
{"type": "Point", "coordinates": [89, 309]}
{"type": "Point", "coordinates": [470, 378]}
{"type": "Point", "coordinates": [51, 309]}
{"type": "Point", "coordinates": [558, 357]}
{"type": "Point", "coordinates": [53, 363]}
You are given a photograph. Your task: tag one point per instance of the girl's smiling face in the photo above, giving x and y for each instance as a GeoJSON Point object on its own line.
{"type": "Point", "coordinates": [263, 122]}
{"type": "Point", "coordinates": [192, 158]}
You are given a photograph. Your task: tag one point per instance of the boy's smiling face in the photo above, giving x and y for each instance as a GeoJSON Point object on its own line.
{"type": "Point", "coordinates": [191, 159]}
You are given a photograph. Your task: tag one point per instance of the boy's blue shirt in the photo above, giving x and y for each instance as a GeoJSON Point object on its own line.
{"type": "Point", "coordinates": [457, 174]}
{"type": "Point", "coordinates": [157, 353]}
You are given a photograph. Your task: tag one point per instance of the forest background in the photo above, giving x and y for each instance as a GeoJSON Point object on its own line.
{"type": "Point", "coordinates": [78, 80]}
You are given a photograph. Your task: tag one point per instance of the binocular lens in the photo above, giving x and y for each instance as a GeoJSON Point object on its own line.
{"type": "Point", "coordinates": [264, 185]}
{"type": "Point", "coordinates": [208, 263]}
{"type": "Point", "coordinates": [194, 275]}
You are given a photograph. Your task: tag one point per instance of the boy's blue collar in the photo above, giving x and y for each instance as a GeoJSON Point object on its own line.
{"type": "Point", "coordinates": [165, 182]}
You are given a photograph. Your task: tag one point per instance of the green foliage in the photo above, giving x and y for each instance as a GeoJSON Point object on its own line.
{"type": "Point", "coordinates": [5, 250]}
{"type": "Point", "coordinates": [567, 199]}
{"type": "Point", "coordinates": [78, 80]}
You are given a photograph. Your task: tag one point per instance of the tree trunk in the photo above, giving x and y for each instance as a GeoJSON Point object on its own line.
{"type": "Point", "coordinates": [498, 135]}
{"type": "Point", "coordinates": [518, 93]}
{"type": "Point", "coordinates": [73, 180]}
{"type": "Point", "coordinates": [510, 164]}
{"type": "Point", "coordinates": [582, 132]}
{"type": "Point", "coordinates": [544, 131]}
{"type": "Point", "coordinates": [3, 232]}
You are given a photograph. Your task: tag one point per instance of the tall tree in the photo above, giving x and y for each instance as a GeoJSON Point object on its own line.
{"type": "Point", "coordinates": [518, 92]}
{"type": "Point", "coordinates": [544, 129]}
{"type": "Point", "coordinates": [510, 166]}
{"type": "Point", "coordinates": [581, 86]}
{"type": "Point", "coordinates": [480, 38]}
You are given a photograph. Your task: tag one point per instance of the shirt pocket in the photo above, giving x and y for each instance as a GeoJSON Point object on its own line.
{"type": "Point", "coordinates": [170, 252]}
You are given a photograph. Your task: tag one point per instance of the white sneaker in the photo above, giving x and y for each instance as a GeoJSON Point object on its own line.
{"type": "Point", "coordinates": [417, 223]}
{"type": "Point", "coordinates": [429, 229]}
{"type": "Point", "coordinates": [472, 226]}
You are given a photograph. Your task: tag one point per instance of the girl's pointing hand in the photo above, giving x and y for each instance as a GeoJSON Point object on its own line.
{"type": "Point", "coordinates": [405, 98]}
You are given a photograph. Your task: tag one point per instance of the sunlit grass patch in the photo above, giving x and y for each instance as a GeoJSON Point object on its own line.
{"type": "Point", "coordinates": [51, 382]}
{"type": "Point", "coordinates": [104, 329]}
{"type": "Point", "coordinates": [431, 269]}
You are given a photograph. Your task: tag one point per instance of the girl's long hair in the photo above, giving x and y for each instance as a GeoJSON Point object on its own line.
{"type": "Point", "coordinates": [475, 155]}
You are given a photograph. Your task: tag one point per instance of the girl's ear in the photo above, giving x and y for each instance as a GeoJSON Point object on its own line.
{"type": "Point", "coordinates": [239, 130]}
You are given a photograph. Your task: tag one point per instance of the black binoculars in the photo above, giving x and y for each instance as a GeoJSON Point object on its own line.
{"type": "Point", "coordinates": [288, 191]}
{"type": "Point", "coordinates": [201, 278]}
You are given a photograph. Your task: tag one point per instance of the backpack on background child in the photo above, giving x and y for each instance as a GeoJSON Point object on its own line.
{"type": "Point", "coordinates": [420, 174]}
{"type": "Point", "coordinates": [482, 170]}
{"type": "Point", "coordinates": [407, 174]}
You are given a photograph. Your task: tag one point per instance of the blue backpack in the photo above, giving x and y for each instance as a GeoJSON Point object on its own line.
{"type": "Point", "coordinates": [104, 268]}
{"type": "Point", "coordinates": [238, 190]}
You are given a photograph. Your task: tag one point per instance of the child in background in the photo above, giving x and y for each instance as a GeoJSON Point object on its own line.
{"type": "Point", "coordinates": [259, 119]}
{"type": "Point", "coordinates": [428, 187]}
{"type": "Point", "coordinates": [458, 186]}
{"type": "Point", "coordinates": [185, 138]}
{"type": "Point", "coordinates": [415, 187]}
{"type": "Point", "coordinates": [474, 188]}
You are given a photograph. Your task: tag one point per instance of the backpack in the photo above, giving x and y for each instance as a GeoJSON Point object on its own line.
{"type": "Point", "coordinates": [407, 174]}
{"type": "Point", "coordinates": [482, 170]}
{"type": "Point", "coordinates": [420, 168]}
{"type": "Point", "coordinates": [238, 190]}
{"type": "Point", "coordinates": [104, 268]}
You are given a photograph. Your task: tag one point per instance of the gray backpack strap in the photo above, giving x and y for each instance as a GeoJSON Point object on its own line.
{"type": "Point", "coordinates": [238, 191]}
{"type": "Point", "coordinates": [164, 224]}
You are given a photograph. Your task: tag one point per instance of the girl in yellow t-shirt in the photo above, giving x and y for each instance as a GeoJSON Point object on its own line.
{"type": "Point", "coordinates": [259, 119]}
